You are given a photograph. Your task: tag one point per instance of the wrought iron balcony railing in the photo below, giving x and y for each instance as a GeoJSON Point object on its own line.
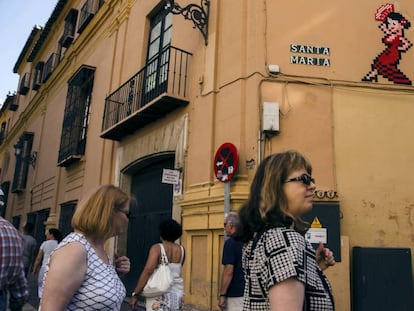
{"type": "Point", "coordinates": [69, 31]}
{"type": "Point", "coordinates": [157, 89]}
{"type": "Point", "coordinates": [24, 84]}
{"type": "Point", "coordinates": [50, 66]}
{"type": "Point", "coordinates": [12, 101]}
{"type": "Point", "coordinates": [87, 12]}
{"type": "Point", "coordinates": [38, 73]}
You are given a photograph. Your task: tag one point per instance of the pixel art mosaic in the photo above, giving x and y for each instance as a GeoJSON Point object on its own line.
{"type": "Point", "coordinates": [386, 63]}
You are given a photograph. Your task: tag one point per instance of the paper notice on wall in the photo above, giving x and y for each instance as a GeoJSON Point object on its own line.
{"type": "Point", "coordinates": [170, 176]}
{"type": "Point", "coordinates": [317, 235]}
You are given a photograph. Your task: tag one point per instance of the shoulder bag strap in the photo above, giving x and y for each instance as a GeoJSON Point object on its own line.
{"type": "Point", "coordinates": [164, 258]}
{"type": "Point", "coordinates": [182, 254]}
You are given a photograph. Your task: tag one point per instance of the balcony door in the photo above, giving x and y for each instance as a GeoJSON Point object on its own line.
{"type": "Point", "coordinates": [156, 72]}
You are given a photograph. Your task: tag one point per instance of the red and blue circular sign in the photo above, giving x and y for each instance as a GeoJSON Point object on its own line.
{"type": "Point", "coordinates": [226, 161]}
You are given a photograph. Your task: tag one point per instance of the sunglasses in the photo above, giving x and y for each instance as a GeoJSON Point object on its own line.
{"type": "Point", "coordinates": [127, 214]}
{"type": "Point", "coordinates": [305, 178]}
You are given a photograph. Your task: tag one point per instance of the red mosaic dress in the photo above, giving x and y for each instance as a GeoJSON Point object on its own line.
{"type": "Point", "coordinates": [386, 63]}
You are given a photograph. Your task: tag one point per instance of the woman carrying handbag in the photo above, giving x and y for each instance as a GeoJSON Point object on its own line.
{"type": "Point", "coordinates": [172, 299]}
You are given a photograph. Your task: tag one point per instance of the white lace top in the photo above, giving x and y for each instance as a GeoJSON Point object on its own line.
{"type": "Point", "coordinates": [101, 289]}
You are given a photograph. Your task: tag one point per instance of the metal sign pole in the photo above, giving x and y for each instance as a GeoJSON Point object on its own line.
{"type": "Point", "coordinates": [226, 197]}
{"type": "Point", "coordinates": [226, 160]}
{"type": "Point", "coordinates": [226, 203]}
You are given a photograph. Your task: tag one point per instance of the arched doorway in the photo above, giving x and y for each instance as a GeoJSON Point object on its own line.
{"type": "Point", "coordinates": [153, 205]}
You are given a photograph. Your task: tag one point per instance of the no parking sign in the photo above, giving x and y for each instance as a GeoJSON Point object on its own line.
{"type": "Point", "coordinates": [225, 162]}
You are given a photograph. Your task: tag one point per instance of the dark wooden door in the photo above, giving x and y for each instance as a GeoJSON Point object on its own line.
{"type": "Point", "coordinates": [40, 228]}
{"type": "Point", "coordinates": [65, 219]}
{"type": "Point", "coordinates": [153, 205]}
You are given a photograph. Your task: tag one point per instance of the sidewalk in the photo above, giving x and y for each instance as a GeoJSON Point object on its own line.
{"type": "Point", "coordinates": [33, 302]}
{"type": "Point", "coordinates": [28, 307]}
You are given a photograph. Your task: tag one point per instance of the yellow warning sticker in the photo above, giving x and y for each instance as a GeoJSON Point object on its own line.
{"type": "Point", "coordinates": [316, 223]}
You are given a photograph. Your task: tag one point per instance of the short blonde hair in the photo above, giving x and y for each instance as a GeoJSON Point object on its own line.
{"type": "Point", "coordinates": [94, 215]}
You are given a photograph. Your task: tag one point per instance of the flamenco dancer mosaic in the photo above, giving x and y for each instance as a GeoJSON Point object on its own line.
{"type": "Point", "coordinates": [386, 63]}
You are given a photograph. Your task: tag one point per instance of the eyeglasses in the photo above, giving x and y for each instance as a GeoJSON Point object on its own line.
{"type": "Point", "coordinates": [127, 214]}
{"type": "Point", "coordinates": [305, 178]}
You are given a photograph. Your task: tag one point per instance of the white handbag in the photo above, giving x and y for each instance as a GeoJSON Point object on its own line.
{"type": "Point", "coordinates": [160, 281]}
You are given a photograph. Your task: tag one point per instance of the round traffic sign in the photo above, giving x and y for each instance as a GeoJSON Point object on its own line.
{"type": "Point", "coordinates": [225, 162]}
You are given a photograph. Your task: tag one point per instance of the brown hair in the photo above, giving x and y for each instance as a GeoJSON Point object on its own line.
{"type": "Point", "coordinates": [267, 204]}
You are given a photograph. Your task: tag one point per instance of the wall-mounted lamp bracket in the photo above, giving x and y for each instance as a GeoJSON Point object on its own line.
{"type": "Point", "coordinates": [33, 158]}
{"type": "Point", "coordinates": [197, 13]}
{"type": "Point", "coordinates": [18, 149]}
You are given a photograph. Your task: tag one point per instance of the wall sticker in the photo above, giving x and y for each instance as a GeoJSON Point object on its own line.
{"type": "Point", "coordinates": [386, 63]}
{"type": "Point", "coordinates": [310, 60]}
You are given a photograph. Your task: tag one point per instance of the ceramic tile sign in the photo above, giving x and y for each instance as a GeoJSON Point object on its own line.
{"type": "Point", "coordinates": [310, 55]}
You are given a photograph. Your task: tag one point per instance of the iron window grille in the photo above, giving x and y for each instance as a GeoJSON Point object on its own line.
{"type": "Point", "coordinates": [12, 101]}
{"type": "Point", "coordinates": [24, 84]}
{"type": "Point", "coordinates": [76, 118]}
{"type": "Point", "coordinates": [22, 162]}
{"type": "Point", "coordinates": [87, 12]}
{"type": "Point", "coordinates": [50, 66]}
{"type": "Point", "coordinates": [37, 76]}
{"type": "Point", "coordinates": [2, 132]}
{"type": "Point", "coordinates": [69, 29]}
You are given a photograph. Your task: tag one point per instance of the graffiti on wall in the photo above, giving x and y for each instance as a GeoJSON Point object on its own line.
{"type": "Point", "coordinates": [392, 24]}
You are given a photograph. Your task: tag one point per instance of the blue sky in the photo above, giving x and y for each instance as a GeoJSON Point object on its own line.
{"type": "Point", "coordinates": [17, 19]}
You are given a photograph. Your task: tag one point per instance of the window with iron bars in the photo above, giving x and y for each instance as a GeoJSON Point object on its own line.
{"type": "Point", "coordinates": [37, 78]}
{"type": "Point", "coordinates": [22, 163]}
{"type": "Point", "coordinates": [76, 118]}
{"type": "Point", "coordinates": [24, 84]}
{"type": "Point", "coordinates": [87, 12]}
{"type": "Point", "coordinates": [69, 29]}
{"type": "Point", "coordinates": [2, 132]}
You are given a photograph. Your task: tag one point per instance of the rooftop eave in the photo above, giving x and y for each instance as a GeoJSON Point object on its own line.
{"type": "Point", "coordinates": [43, 36]}
{"type": "Point", "coordinates": [34, 35]}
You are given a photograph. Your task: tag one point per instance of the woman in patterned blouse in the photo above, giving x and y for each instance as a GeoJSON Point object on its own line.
{"type": "Point", "coordinates": [80, 275]}
{"type": "Point", "coordinates": [282, 270]}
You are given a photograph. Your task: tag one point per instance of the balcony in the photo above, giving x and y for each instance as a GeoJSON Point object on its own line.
{"type": "Point", "coordinates": [50, 66]}
{"type": "Point", "coordinates": [156, 90]}
{"type": "Point", "coordinates": [12, 101]}
{"type": "Point", "coordinates": [87, 12]}
{"type": "Point", "coordinates": [38, 73]}
{"type": "Point", "coordinates": [3, 131]}
{"type": "Point", "coordinates": [69, 30]}
{"type": "Point", "coordinates": [24, 84]}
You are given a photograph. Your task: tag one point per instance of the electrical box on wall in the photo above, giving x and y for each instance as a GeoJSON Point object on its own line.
{"type": "Point", "coordinates": [270, 123]}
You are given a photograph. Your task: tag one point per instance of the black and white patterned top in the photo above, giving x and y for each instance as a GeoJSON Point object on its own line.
{"type": "Point", "coordinates": [102, 288]}
{"type": "Point", "coordinates": [279, 254]}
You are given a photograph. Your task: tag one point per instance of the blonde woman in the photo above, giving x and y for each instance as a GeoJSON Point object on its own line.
{"type": "Point", "coordinates": [80, 275]}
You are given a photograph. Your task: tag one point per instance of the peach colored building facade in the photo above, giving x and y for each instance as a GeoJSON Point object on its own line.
{"type": "Point", "coordinates": [126, 89]}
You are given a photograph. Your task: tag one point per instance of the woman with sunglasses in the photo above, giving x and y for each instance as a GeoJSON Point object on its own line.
{"type": "Point", "coordinates": [282, 270]}
{"type": "Point", "coordinates": [80, 275]}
